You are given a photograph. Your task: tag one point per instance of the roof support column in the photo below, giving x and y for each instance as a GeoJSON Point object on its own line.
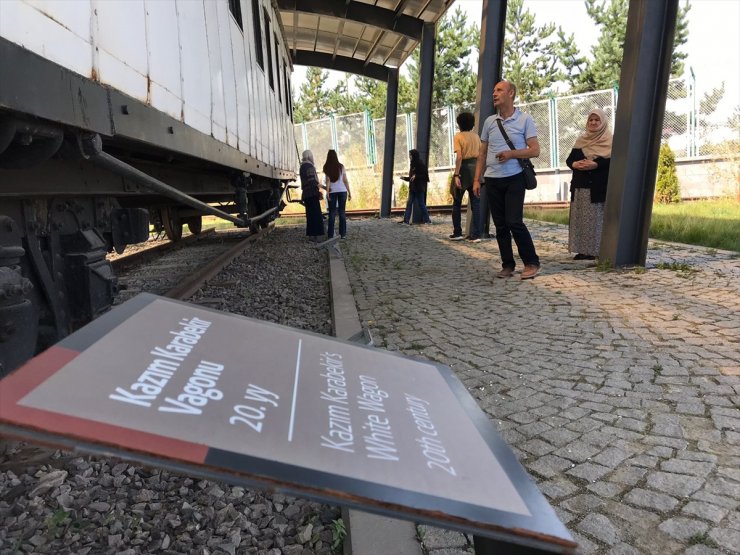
{"type": "Point", "coordinates": [643, 87]}
{"type": "Point", "coordinates": [389, 143]}
{"type": "Point", "coordinates": [490, 61]}
{"type": "Point", "coordinates": [490, 67]}
{"type": "Point", "coordinates": [424, 110]}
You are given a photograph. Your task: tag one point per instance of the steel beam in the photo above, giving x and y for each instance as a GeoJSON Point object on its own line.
{"type": "Point", "coordinates": [389, 144]}
{"type": "Point", "coordinates": [643, 87]}
{"type": "Point", "coordinates": [340, 63]}
{"type": "Point", "coordinates": [424, 105]}
{"type": "Point", "coordinates": [490, 68]}
{"type": "Point", "coordinates": [360, 12]}
{"type": "Point", "coordinates": [490, 61]}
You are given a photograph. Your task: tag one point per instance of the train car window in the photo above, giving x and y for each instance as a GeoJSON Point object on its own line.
{"type": "Point", "coordinates": [277, 69]}
{"type": "Point", "coordinates": [270, 75]}
{"type": "Point", "coordinates": [257, 33]}
{"type": "Point", "coordinates": [235, 7]}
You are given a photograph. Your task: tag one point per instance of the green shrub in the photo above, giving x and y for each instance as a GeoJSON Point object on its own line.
{"type": "Point", "coordinates": [667, 188]}
{"type": "Point", "coordinates": [403, 194]}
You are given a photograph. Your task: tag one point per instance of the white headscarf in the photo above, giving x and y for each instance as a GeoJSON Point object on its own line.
{"type": "Point", "coordinates": [596, 144]}
{"type": "Point", "coordinates": [307, 156]}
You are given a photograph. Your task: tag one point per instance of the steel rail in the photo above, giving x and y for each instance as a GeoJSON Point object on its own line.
{"type": "Point", "coordinates": [138, 257]}
{"type": "Point", "coordinates": [438, 209]}
{"type": "Point", "coordinates": [194, 282]}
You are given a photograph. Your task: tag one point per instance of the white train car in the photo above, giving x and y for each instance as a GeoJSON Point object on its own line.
{"type": "Point", "coordinates": [115, 114]}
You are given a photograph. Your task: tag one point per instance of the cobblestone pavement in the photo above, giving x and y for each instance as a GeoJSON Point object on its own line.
{"type": "Point", "coordinates": [618, 391]}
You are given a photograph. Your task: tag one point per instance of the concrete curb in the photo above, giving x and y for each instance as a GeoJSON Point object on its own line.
{"type": "Point", "coordinates": [367, 534]}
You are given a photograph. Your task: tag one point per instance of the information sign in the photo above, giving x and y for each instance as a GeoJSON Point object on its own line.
{"type": "Point", "coordinates": [181, 386]}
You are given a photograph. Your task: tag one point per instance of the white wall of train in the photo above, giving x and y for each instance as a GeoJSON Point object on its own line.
{"type": "Point", "coordinates": [187, 58]}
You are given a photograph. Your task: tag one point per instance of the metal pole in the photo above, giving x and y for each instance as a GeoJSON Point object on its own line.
{"type": "Point", "coordinates": [554, 154]}
{"type": "Point", "coordinates": [409, 131]}
{"type": "Point", "coordinates": [490, 63]}
{"type": "Point", "coordinates": [333, 127]}
{"type": "Point", "coordinates": [305, 136]}
{"type": "Point", "coordinates": [451, 135]}
{"type": "Point", "coordinates": [389, 145]}
{"type": "Point", "coordinates": [424, 104]}
{"type": "Point", "coordinates": [637, 130]}
{"type": "Point", "coordinates": [692, 107]}
{"type": "Point", "coordinates": [93, 150]}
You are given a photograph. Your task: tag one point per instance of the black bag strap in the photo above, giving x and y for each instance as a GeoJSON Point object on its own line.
{"type": "Point", "coordinates": [522, 163]}
{"type": "Point", "coordinates": [503, 132]}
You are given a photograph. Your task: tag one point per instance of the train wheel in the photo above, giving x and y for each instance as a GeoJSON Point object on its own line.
{"type": "Point", "coordinates": [195, 224]}
{"type": "Point", "coordinates": [172, 223]}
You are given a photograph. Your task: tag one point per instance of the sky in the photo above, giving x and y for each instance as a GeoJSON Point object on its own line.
{"type": "Point", "coordinates": [713, 45]}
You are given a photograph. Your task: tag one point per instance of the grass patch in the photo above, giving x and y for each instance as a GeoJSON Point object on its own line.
{"type": "Point", "coordinates": [338, 533]}
{"type": "Point", "coordinates": [709, 223]}
{"type": "Point", "coordinates": [604, 265]}
{"type": "Point", "coordinates": [554, 215]}
{"type": "Point", "coordinates": [675, 266]}
{"type": "Point", "coordinates": [702, 538]}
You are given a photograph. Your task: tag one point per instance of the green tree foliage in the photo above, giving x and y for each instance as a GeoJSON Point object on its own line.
{"type": "Point", "coordinates": [536, 57]}
{"type": "Point", "coordinates": [604, 67]}
{"type": "Point", "coordinates": [313, 99]}
{"type": "Point", "coordinates": [341, 102]}
{"type": "Point", "coordinates": [454, 79]}
{"type": "Point", "coordinates": [667, 188]}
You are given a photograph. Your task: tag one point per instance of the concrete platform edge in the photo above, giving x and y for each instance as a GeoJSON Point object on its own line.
{"type": "Point", "coordinates": [367, 534]}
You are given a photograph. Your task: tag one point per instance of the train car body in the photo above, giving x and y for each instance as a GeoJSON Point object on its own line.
{"type": "Point", "coordinates": [115, 114]}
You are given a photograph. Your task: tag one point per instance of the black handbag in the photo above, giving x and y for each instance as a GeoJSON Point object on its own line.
{"type": "Point", "coordinates": [530, 177]}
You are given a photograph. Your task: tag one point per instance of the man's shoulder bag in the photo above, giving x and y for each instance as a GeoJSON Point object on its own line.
{"type": "Point", "coordinates": [530, 177]}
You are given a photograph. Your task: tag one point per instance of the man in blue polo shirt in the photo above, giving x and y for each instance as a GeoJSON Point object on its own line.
{"type": "Point", "coordinates": [504, 178]}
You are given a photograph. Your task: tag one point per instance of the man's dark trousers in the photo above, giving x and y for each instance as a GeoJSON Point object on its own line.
{"type": "Point", "coordinates": [506, 200]}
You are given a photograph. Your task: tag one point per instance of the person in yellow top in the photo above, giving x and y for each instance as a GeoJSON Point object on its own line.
{"type": "Point", "coordinates": [467, 146]}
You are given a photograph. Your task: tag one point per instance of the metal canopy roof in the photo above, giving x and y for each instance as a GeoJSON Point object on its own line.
{"type": "Point", "coordinates": [366, 37]}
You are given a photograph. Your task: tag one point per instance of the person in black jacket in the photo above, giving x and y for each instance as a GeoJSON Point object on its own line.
{"type": "Point", "coordinates": [311, 197]}
{"type": "Point", "coordinates": [589, 161]}
{"type": "Point", "coordinates": [418, 178]}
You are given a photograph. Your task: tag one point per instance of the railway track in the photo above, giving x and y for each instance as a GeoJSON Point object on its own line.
{"type": "Point", "coordinates": [139, 257]}
{"type": "Point", "coordinates": [435, 209]}
{"type": "Point", "coordinates": [282, 279]}
{"type": "Point", "coordinates": [176, 270]}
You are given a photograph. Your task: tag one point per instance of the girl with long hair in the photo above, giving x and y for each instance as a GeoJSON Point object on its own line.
{"type": "Point", "coordinates": [337, 186]}
{"type": "Point", "coordinates": [418, 178]}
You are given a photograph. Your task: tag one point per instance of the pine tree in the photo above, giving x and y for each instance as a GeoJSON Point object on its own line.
{"type": "Point", "coordinates": [536, 57]}
{"type": "Point", "coordinates": [454, 79]}
{"type": "Point", "coordinates": [313, 99]}
{"type": "Point", "coordinates": [666, 188]}
{"type": "Point", "coordinates": [604, 68]}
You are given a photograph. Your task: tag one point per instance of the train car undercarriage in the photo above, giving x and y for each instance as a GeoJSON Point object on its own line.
{"type": "Point", "coordinates": [67, 198]}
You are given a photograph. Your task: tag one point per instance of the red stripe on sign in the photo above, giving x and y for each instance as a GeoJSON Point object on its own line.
{"type": "Point", "coordinates": [31, 375]}
{"type": "Point", "coordinates": [106, 434]}
{"type": "Point", "coordinates": [36, 371]}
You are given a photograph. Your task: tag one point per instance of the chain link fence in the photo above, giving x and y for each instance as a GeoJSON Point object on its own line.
{"type": "Point", "coordinates": [359, 140]}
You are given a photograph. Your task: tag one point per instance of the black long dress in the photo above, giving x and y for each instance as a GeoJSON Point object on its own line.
{"type": "Point", "coordinates": [311, 197]}
{"type": "Point", "coordinates": [587, 196]}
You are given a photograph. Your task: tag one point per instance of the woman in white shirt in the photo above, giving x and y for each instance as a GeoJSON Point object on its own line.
{"type": "Point", "coordinates": [337, 185]}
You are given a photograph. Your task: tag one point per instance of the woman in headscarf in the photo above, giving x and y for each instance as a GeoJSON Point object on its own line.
{"type": "Point", "coordinates": [418, 178]}
{"type": "Point", "coordinates": [589, 161]}
{"type": "Point", "coordinates": [337, 186]}
{"type": "Point", "coordinates": [311, 197]}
